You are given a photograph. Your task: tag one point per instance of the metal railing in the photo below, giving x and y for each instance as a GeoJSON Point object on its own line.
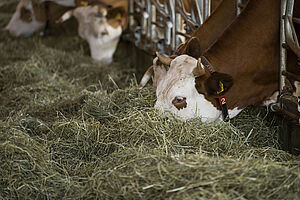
{"type": "Point", "coordinates": [287, 103]}
{"type": "Point", "coordinates": [162, 25]}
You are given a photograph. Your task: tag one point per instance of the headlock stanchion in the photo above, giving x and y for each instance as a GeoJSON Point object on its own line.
{"type": "Point", "coordinates": [287, 103]}
{"type": "Point", "coordinates": [157, 25]}
{"type": "Point", "coordinates": [161, 25]}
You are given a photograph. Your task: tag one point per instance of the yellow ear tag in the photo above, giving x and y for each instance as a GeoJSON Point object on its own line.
{"type": "Point", "coordinates": [84, 3]}
{"type": "Point", "coordinates": [118, 16]}
{"type": "Point", "coordinates": [199, 63]}
{"type": "Point", "coordinates": [221, 86]}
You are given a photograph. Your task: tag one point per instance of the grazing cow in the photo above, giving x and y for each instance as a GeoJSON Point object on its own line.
{"type": "Point", "coordinates": [31, 16]}
{"type": "Point", "coordinates": [207, 34]}
{"type": "Point", "coordinates": [101, 25]}
{"type": "Point", "coordinates": [243, 65]}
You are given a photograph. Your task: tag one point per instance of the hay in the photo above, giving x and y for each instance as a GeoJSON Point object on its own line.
{"type": "Point", "coordinates": [74, 129]}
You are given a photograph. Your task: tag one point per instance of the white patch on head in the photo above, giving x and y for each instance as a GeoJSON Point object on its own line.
{"type": "Point", "coordinates": [70, 3]}
{"type": "Point", "coordinates": [180, 82]}
{"type": "Point", "coordinates": [67, 15]}
{"type": "Point", "coordinates": [271, 99]}
{"type": "Point", "coordinates": [102, 37]}
{"type": "Point", "coordinates": [18, 27]}
{"type": "Point", "coordinates": [103, 47]}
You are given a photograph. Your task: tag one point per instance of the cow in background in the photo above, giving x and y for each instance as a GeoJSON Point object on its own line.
{"type": "Point", "coordinates": [31, 16]}
{"type": "Point", "coordinates": [101, 25]}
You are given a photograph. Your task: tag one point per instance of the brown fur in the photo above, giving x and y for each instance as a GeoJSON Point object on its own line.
{"type": "Point", "coordinates": [112, 16]}
{"type": "Point", "coordinates": [122, 6]}
{"type": "Point", "coordinates": [55, 11]}
{"type": "Point", "coordinates": [249, 52]}
{"type": "Point", "coordinates": [118, 6]}
{"type": "Point", "coordinates": [25, 14]}
{"type": "Point", "coordinates": [214, 26]}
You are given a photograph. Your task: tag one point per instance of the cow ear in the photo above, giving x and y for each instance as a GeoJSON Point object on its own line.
{"type": "Point", "coordinates": [193, 48]}
{"type": "Point", "coordinates": [218, 84]}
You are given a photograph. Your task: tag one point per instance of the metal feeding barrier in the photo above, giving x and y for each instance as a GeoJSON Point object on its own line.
{"type": "Point", "coordinates": [161, 25]}
{"type": "Point", "coordinates": [287, 103]}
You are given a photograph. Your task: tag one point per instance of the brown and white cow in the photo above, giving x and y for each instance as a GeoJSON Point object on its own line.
{"type": "Point", "coordinates": [31, 16]}
{"type": "Point", "coordinates": [246, 63]}
{"type": "Point", "coordinates": [223, 15]}
{"type": "Point", "coordinates": [101, 25]}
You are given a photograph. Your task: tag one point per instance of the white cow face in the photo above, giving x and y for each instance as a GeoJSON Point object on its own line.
{"type": "Point", "coordinates": [24, 21]}
{"type": "Point", "coordinates": [100, 27]}
{"type": "Point", "coordinates": [187, 90]}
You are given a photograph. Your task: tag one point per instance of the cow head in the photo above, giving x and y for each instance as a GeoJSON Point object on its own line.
{"type": "Point", "coordinates": [187, 89]}
{"type": "Point", "coordinates": [101, 27]}
{"type": "Point", "coordinates": [26, 20]}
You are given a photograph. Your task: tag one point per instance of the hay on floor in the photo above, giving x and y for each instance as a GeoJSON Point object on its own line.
{"type": "Point", "coordinates": [74, 129]}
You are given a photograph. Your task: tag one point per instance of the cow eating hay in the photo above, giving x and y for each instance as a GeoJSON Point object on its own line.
{"type": "Point", "coordinates": [71, 130]}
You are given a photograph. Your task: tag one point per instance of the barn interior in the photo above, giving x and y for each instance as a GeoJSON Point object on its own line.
{"type": "Point", "coordinates": [72, 128]}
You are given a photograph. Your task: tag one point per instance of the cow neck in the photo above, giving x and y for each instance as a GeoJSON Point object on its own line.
{"type": "Point", "coordinates": [50, 11]}
{"type": "Point", "coordinates": [215, 25]}
{"type": "Point", "coordinates": [249, 52]}
{"type": "Point", "coordinates": [222, 98]}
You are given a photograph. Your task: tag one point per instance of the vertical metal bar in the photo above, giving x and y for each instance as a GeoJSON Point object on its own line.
{"type": "Point", "coordinates": [153, 20]}
{"type": "Point", "coordinates": [238, 7]}
{"type": "Point", "coordinates": [199, 6]}
{"type": "Point", "coordinates": [168, 33]}
{"type": "Point", "coordinates": [173, 21]}
{"type": "Point", "coordinates": [148, 10]}
{"type": "Point", "coordinates": [145, 17]}
{"type": "Point", "coordinates": [288, 24]}
{"type": "Point", "coordinates": [207, 8]}
{"type": "Point", "coordinates": [282, 49]}
{"type": "Point", "coordinates": [131, 12]}
{"type": "Point", "coordinates": [177, 28]}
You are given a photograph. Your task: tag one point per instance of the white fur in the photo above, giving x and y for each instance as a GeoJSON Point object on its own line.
{"type": "Point", "coordinates": [103, 47]}
{"type": "Point", "coordinates": [183, 85]}
{"type": "Point", "coordinates": [271, 99]}
{"type": "Point", "coordinates": [70, 3]}
{"type": "Point", "coordinates": [102, 37]}
{"type": "Point", "coordinates": [18, 27]}
{"type": "Point", "coordinates": [297, 92]}
{"type": "Point", "coordinates": [67, 15]}
{"type": "Point", "coordinates": [175, 84]}
{"type": "Point", "coordinates": [234, 112]}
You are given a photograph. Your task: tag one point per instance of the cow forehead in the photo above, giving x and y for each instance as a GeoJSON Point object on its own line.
{"type": "Point", "coordinates": [91, 9]}
{"type": "Point", "coordinates": [25, 3]}
{"type": "Point", "coordinates": [177, 79]}
{"type": "Point", "coordinates": [182, 62]}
